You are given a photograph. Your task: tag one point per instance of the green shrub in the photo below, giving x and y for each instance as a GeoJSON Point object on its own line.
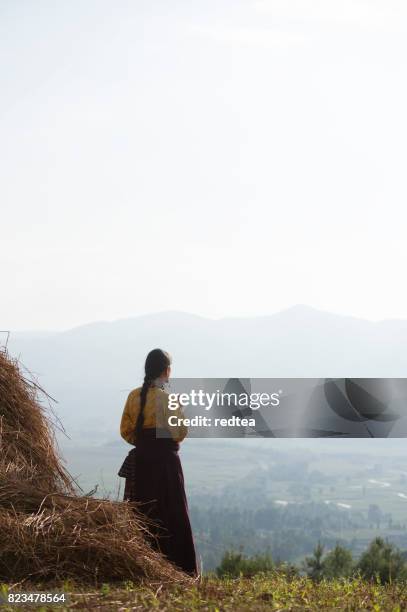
{"type": "Point", "coordinates": [338, 563]}
{"type": "Point", "coordinates": [382, 561]}
{"type": "Point", "coordinates": [235, 564]}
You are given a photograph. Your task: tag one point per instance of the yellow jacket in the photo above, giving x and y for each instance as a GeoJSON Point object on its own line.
{"type": "Point", "coordinates": [156, 414]}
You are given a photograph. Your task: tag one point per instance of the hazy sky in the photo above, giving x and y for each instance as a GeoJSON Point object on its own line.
{"type": "Point", "coordinates": [222, 157]}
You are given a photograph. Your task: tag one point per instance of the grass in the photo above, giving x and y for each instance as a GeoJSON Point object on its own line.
{"type": "Point", "coordinates": [263, 592]}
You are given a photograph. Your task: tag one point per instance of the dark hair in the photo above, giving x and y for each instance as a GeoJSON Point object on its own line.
{"type": "Point", "coordinates": [157, 361]}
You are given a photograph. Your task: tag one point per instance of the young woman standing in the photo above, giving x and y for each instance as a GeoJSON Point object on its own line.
{"type": "Point", "coordinates": [153, 470]}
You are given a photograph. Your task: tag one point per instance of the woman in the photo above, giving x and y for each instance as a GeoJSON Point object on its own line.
{"type": "Point", "coordinates": [153, 469]}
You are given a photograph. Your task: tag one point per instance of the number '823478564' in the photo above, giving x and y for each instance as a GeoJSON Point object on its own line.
{"type": "Point", "coordinates": [34, 598]}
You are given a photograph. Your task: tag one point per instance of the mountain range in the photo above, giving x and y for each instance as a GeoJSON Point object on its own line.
{"type": "Point", "coordinates": [90, 369]}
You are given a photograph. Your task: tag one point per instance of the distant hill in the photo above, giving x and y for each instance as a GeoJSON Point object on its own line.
{"type": "Point", "coordinates": [90, 369]}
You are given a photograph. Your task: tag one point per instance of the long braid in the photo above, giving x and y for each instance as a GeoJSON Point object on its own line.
{"type": "Point", "coordinates": [143, 398]}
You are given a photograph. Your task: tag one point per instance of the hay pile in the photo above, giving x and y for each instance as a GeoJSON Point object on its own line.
{"type": "Point", "coordinates": [48, 532]}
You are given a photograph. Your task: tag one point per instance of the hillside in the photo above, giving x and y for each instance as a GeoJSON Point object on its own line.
{"type": "Point", "coordinates": [90, 369]}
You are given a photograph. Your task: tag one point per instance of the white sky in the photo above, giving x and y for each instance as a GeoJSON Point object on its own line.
{"type": "Point", "coordinates": [222, 157]}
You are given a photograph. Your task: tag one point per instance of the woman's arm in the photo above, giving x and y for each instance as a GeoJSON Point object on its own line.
{"type": "Point", "coordinates": [129, 418]}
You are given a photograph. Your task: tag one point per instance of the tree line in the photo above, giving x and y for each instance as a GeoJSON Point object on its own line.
{"type": "Point", "coordinates": [381, 561]}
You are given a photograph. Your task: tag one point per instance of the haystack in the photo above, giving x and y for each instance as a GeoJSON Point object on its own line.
{"type": "Point", "coordinates": [48, 530]}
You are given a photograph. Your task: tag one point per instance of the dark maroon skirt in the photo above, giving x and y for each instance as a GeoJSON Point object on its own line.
{"type": "Point", "coordinates": [154, 479]}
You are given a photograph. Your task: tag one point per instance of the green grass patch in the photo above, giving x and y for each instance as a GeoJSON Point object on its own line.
{"type": "Point", "coordinates": [270, 591]}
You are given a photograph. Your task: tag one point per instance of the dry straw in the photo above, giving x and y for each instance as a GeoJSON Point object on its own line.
{"type": "Point", "coordinates": [48, 531]}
